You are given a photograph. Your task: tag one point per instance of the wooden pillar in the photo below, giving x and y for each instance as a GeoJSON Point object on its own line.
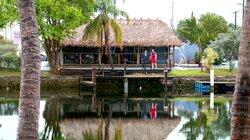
{"type": "Point", "coordinates": [99, 56]}
{"type": "Point", "coordinates": [170, 57]}
{"type": "Point", "coordinates": [169, 65]}
{"type": "Point", "coordinates": [94, 76]}
{"type": "Point", "coordinates": [173, 54]}
{"type": "Point", "coordinates": [80, 58]}
{"type": "Point", "coordinates": [138, 56]}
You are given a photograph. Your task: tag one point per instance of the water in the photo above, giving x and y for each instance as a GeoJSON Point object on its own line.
{"type": "Point", "coordinates": [70, 117]}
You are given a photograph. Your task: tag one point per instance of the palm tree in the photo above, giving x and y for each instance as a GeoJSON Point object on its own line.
{"type": "Point", "coordinates": [30, 73]}
{"type": "Point", "coordinates": [240, 121]}
{"type": "Point", "coordinates": [101, 25]}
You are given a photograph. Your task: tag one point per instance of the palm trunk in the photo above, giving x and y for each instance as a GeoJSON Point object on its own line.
{"type": "Point", "coordinates": [107, 45]}
{"type": "Point", "coordinates": [52, 50]}
{"type": "Point", "coordinates": [240, 121]}
{"type": "Point", "coordinates": [30, 73]}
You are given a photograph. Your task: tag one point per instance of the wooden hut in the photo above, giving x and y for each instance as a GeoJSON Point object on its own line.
{"type": "Point", "coordinates": [138, 35]}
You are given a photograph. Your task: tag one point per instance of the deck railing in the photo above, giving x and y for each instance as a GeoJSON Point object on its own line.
{"type": "Point", "coordinates": [118, 58]}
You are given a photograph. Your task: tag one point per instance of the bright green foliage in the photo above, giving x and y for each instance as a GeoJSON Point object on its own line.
{"type": "Point", "coordinates": [202, 31]}
{"type": "Point", "coordinates": [106, 19]}
{"type": "Point", "coordinates": [227, 45]}
{"type": "Point", "coordinates": [211, 25]}
{"type": "Point", "coordinates": [102, 24]}
{"type": "Point", "coordinates": [8, 12]}
{"type": "Point", "coordinates": [57, 18]}
{"type": "Point", "coordinates": [211, 55]}
{"type": "Point", "coordinates": [189, 29]}
{"type": "Point", "coordinates": [8, 55]}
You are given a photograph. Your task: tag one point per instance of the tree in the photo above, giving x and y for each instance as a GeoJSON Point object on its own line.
{"type": "Point", "coordinates": [8, 12]}
{"type": "Point", "coordinates": [30, 73]}
{"type": "Point", "coordinates": [202, 31]}
{"type": "Point", "coordinates": [56, 20]}
{"type": "Point", "coordinates": [211, 25]}
{"type": "Point", "coordinates": [241, 99]}
{"type": "Point", "coordinates": [102, 24]}
{"type": "Point", "coordinates": [188, 29]}
{"type": "Point", "coordinates": [227, 45]}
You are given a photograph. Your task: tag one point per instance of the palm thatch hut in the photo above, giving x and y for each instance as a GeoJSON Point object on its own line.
{"type": "Point", "coordinates": [138, 35]}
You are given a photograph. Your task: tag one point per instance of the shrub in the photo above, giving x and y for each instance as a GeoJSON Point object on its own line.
{"type": "Point", "coordinates": [10, 61]}
{"type": "Point", "coordinates": [211, 56]}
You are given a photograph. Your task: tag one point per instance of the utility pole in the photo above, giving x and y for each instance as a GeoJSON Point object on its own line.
{"type": "Point", "coordinates": [172, 16]}
{"type": "Point", "coordinates": [235, 19]}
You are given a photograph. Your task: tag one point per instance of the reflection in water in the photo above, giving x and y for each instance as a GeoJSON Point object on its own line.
{"type": "Point", "coordinates": [207, 124]}
{"type": "Point", "coordinates": [78, 118]}
{"type": "Point", "coordinates": [9, 108]}
{"type": "Point", "coordinates": [112, 119]}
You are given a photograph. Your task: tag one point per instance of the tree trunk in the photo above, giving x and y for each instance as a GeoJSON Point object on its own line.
{"type": "Point", "coordinates": [200, 58]}
{"type": "Point", "coordinates": [30, 73]}
{"type": "Point", "coordinates": [240, 121]}
{"type": "Point", "coordinates": [107, 45]}
{"type": "Point", "coordinates": [52, 50]}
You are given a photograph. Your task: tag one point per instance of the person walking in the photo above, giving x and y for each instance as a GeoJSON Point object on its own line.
{"type": "Point", "coordinates": [144, 59]}
{"type": "Point", "coordinates": [153, 59]}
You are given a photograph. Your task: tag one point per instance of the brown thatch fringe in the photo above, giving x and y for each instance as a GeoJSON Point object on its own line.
{"type": "Point", "coordinates": [139, 32]}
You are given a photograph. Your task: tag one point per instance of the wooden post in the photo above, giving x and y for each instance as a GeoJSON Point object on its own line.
{"type": "Point", "coordinates": [126, 87]}
{"type": "Point", "coordinates": [211, 88]}
{"type": "Point", "coordinates": [125, 67]}
{"type": "Point", "coordinates": [80, 57]}
{"type": "Point", "coordinates": [94, 76]}
{"type": "Point", "coordinates": [99, 56]}
{"type": "Point", "coordinates": [170, 63]}
{"type": "Point", "coordinates": [173, 53]}
{"type": "Point", "coordinates": [138, 56]}
{"type": "Point", "coordinates": [165, 75]}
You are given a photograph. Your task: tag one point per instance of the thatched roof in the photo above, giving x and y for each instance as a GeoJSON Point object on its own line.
{"type": "Point", "coordinates": [138, 32]}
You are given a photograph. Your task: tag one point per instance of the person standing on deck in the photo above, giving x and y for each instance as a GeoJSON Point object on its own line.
{"type": "Point", "coordinates": [153, 59]}
{"type": "Point", "coordinates": [153, 111]}
{"type": "Point", "coordinates": [144, 59]}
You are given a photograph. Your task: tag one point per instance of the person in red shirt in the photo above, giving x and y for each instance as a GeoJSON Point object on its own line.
{"type": "Point", "coordinates": [153, 111]}
{"type": "Point", "coordinates": [153, 59]}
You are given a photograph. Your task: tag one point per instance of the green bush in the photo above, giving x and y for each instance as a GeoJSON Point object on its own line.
{"type": "Point", "coordinates": [10, 61]}
{"type": "Point", "coordinates": [8, 57]}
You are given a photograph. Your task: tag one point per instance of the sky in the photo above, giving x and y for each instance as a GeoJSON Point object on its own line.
{"type": "Point", "coordinates": [182, 9]}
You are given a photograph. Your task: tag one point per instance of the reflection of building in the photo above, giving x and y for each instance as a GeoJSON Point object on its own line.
{"type": "Point", "coordinates": [59, 112]}
{"type": "Point", "coordinates": [138, 35]}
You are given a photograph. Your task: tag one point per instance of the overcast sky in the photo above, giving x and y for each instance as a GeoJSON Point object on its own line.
{"type": "Point", "coordinates": [162, 9]}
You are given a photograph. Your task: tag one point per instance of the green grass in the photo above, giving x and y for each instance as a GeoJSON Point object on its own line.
{"type": "Point", "coordinates": [218, 99]}
{"type": "Point", "coordinates": [199, 73]}
{"type": "Point", "coordinates": [16, 73]}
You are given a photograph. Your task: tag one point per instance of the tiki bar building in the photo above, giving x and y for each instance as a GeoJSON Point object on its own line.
{"type": "Point", "coordinates": [138, 35]}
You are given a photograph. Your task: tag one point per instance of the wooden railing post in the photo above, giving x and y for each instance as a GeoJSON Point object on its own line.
{"type": "Point", "coordinates": [94, 75]}
{"type": "Point", "coordinates": [165, 75]}
{"type": "Point", "coordinates": [125, 66]}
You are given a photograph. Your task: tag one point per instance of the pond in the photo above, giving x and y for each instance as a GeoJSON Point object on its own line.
{"type": "Point", "coordinates": [129, 118]}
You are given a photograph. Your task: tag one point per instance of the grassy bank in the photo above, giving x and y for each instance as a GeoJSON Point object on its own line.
{"type": "Point", "coordinates": [217, 99]}
{"type": "Point", "coordinates": [16, 73]}
{"type": "Point", "coordinates": [199, 73]}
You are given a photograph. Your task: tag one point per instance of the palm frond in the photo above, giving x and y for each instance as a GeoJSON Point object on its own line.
{"type": "Point", "coordinates": [93, 28]}
{"type": "Point", "coordinates": [118, 33]}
